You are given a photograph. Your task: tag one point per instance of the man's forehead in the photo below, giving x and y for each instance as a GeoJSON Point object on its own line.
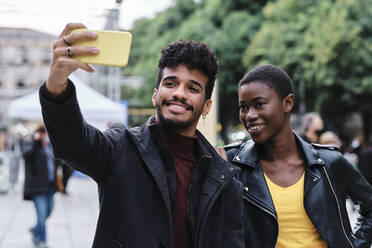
{"type": "Point", "coordinates": [182, 70]}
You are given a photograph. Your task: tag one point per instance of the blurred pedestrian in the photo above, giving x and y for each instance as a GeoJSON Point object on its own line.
{"type": "Point", "coordinates": [312, 127]}
{"type": "Point", "coordinates": [161, 184]}
{"type": "Point", "coordinates": [365, 161]}
{"type": "Point", "coordinates": [330, 138]}
{"type": "Point", "coordinates": [15, 160]}
{"type": "Point", "coordinates": [66, 172]}
{"type": "Point", "coordinates": [39, 185]}
{"type": "Point", "coordinates": [294, 192]}
{"type": "Point", "coordinates": [349, 154]}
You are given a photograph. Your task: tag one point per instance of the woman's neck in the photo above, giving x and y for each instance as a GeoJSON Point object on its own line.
{"type": "Point", "coordinates": [281, 147]}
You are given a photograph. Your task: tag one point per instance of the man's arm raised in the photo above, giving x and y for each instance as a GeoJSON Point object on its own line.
{"type": "Point", "coordinates": [63, 64]}
{"type": "Point", "coordinates": [81, 145]}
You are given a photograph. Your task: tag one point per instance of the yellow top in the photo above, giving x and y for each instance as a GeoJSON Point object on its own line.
{"type": "Point", "coordinates": [295, 227]}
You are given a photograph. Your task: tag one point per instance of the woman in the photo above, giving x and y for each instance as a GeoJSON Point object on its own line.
{"type": "Point", "coordinates": [294, 192]}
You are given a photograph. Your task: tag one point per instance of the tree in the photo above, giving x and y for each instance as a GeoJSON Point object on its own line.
{"type": "Point", "coordinates": [225, 25]}
{"type": "Point", "coordinates": [326, 43]}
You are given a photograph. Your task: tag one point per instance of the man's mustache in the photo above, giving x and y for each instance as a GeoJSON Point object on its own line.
{"type": "Point", "coordinates": [169, 102]}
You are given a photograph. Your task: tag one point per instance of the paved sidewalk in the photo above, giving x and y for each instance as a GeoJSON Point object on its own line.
{"type": "Point", "coordinates": [73, 221]}
{"type": "Point", "coordinates": [71, 225]}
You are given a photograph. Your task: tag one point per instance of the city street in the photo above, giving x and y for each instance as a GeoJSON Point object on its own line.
{"type": "Point", "coordinates": [71, 225]}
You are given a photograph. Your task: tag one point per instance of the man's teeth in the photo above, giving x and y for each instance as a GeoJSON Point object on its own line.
{"type": "Point", "coordinates": [178, 107]}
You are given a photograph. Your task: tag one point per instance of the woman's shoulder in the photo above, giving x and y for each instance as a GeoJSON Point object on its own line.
{"type": "Point", "coordinates": [328, 152]}
{"type": "Point", "coordinates": [238, 147]}
{"type": "Point", "coordinates": [326, 147]}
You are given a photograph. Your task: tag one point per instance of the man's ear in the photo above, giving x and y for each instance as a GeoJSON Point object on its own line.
{"type": "Point", "coordinates": [288, 103]}
{"type": "Point", "coordinates": [154, 97]}
{"type": "Point", "coordinates": [207, 106]}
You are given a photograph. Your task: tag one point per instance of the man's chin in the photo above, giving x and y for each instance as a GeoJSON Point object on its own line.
{"type": "Point", "coordinates": [173, 123]}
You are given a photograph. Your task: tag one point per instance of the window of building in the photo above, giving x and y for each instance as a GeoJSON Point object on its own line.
{"type": "Point", "coordinates": [20, 84]}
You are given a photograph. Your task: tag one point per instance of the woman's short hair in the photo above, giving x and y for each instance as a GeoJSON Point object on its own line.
{"type": "Point", "coordinates": [271, 75]}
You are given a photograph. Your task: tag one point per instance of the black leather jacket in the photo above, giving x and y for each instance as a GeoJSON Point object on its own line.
{"type": "Point", "coordinates": [329, 179]}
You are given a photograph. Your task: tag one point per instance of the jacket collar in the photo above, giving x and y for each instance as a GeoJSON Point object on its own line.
{"type": "Point", "coordinates": [248, 153]}
{"type": "Point", "coordinates": [217, 174]}
{"type": "Point", "coordinates": [220, 170]}
{"type": "Point", "coordinates": [157, 134]}
{"type": "Point", "coordinates": [256, 189]}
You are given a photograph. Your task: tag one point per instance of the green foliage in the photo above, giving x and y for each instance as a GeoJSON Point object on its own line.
{"type": "Point", "coordinates": [227, 26]}
{"type": "Point", "coordinates": [325, 43]}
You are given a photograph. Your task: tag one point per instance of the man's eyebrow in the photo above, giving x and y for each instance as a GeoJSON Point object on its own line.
{"type": "Point", "coordinates": [197, 83]}
{"type": "Point", "coordinates": [191, 81]}
{"type": "Point", "coordinates": [169, 77]}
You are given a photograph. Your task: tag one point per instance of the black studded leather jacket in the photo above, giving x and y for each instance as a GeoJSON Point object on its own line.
{"type": "Point", "coordinates": [329, 180]}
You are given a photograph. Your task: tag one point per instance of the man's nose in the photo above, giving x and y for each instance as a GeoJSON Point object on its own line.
{"type": "Point", "coordinates": [180, 92]}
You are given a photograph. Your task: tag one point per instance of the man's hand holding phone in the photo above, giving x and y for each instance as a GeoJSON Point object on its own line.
{"type": "Point", "coordinates": [63, 63]}
{"type": "Point", "coordinates": [77, 47]}
{"type": "Point", "coordinates": [114, 48]}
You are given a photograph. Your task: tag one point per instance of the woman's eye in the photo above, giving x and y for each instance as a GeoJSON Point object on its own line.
{"type": "Point", "coordinates": [258, 105]}
{"type": "Point", "coordinates": [243, 108]}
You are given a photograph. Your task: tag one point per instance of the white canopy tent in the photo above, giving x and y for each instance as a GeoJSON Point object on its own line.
{"type": "Point", "coordinates": [97, 109]}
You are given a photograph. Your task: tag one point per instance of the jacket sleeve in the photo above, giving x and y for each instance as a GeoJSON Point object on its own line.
{"type": "Point", "coordinates": [233, 234]}
{"type": "Point", "coordinates": [82, 146]}
{"type": "Point", "coordinates": [360, 191]}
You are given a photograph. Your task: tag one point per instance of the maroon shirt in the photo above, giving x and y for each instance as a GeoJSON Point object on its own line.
{"type": "Point", "coordinates": [183, 154]}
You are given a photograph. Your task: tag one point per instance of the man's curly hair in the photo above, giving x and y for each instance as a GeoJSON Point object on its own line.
{"type": "Point", "coordinates": [193, 54]}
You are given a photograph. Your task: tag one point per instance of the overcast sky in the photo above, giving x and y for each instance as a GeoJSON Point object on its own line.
{"type": "Point", "coordinates": [51, 15]}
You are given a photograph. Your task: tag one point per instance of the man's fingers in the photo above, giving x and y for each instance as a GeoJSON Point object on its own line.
{"type": "Point", "coordinates": [63, 51]}
{"type": "Point", "coordinates": [69, 27]}
{"type": "Point", "coordinates": [80, 36]}
{"type": "Point", "coordinates": [73, 64]}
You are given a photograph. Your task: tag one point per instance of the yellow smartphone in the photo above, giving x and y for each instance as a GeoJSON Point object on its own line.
{"type": "Point", "coordinates": [114, 47]}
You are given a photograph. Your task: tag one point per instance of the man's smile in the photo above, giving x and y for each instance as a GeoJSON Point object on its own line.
{"type": "Point", "coordinates": [177, 105]}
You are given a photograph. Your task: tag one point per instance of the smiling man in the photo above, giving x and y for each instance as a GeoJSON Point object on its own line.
{"type": "Point", "coordinates": [161, 184]}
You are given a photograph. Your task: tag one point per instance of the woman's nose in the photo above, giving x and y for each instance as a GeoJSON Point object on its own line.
{"type": "Point", "coordinates": [251, 114]}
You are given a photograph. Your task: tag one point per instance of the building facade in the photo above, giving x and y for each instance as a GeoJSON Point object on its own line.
{"type": "Point", "coordinates": [24, 63]}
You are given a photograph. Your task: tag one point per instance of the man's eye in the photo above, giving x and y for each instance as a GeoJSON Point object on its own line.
{"type": "Point", "coordinates": [169, 83]}
{"type": "Point", "coordinates": [194, 89]}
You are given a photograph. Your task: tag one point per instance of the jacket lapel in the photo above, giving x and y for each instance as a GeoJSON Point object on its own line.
{"type": "Point", "coordinates": [258, 190]}
{"type": "Point", "coordinates": [152, 160]}
{"type": "Point", "coordinates": [255, 187]}
{"type": "Point", "coordinates": [313, 160]}
{"type": "Point", "coordinates": [218, 174]}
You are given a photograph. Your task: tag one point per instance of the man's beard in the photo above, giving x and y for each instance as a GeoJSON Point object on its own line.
{"type": "Point", "coordinates": [173, 124]}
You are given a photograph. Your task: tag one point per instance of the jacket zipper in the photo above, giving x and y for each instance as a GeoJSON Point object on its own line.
{"type": "Point", "coordinates": [195, 229]}
{"type": "Point", "coordinates": [202, 224]}
{"type": "Point", "coordinates": [338, 207]}
{"type": "Point", "coordinates": [188, 210]}
{"type": "Point", "coordinates": [268, 212]}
